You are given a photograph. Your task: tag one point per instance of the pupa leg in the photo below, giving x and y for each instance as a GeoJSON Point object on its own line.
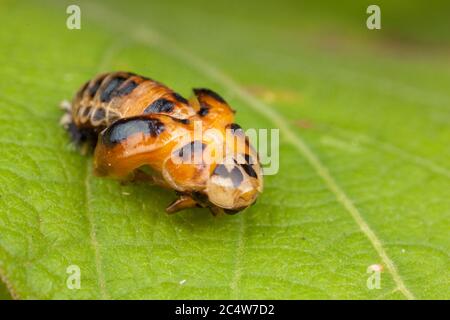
{"type": "Point", "coordinates": [183, 202]}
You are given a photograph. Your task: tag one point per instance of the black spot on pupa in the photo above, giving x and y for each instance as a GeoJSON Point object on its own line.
{"type": "Point", "coordinates": [247, 141]}
{"type": "Point", "coordinates": [204, 110]}
{"type": "Point", "coordinates": [124, 128]}
{"type": "Point", "coordinates": [248, 168]}
{"type": "Point", "coordinates": [221, 171]}
{"type": "Point", "coordinates": [160, 105]}
{"type": "Point", "coordinates": [235, 128]}
{"type": "Point", "coordinates": [235, 174]}
{"type": "Point", "coordinates": [111, 86]}
{"type": "Point", "coordinates": [99, 115]}
{"type": "Point", "coordinates": [179, 98]}
{"type": "Point", "coordinates": [94, 88]}
{"type": "Point", "coordinates": [208, 92]}
{"type": "Point", "coordinates": [127, 88]}
{"type": "Point", "coordinates": [248, 158]}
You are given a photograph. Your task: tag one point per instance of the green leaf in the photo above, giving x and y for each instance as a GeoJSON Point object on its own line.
{"type": "Point", "coordinates": [364, 160]}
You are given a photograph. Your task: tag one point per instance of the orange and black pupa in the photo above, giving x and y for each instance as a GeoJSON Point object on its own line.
{"type": "Point", "coordinates": [142, 130]}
